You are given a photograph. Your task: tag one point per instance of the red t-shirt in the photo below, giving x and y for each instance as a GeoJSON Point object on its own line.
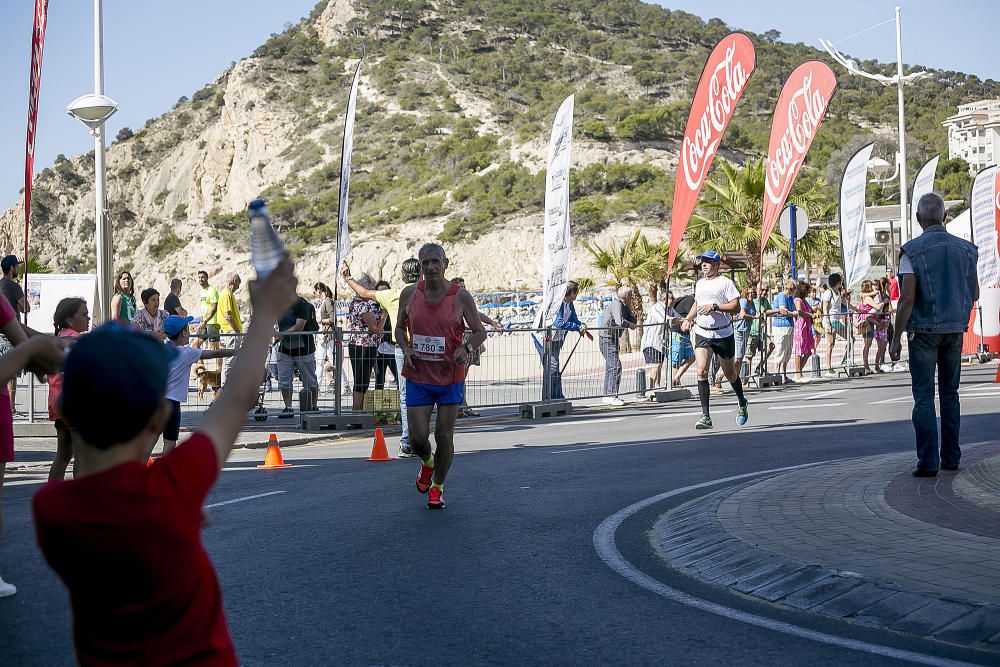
{"type": "Point", "coordinates": [893, 289]}
{"type": "Point", "coordinates": [127, 543]}
{"type": "Point", "coordinates": [435, 333]}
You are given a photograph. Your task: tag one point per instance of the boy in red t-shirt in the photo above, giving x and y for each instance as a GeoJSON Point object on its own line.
{"type": "Point", "coordinates": [125, 538]}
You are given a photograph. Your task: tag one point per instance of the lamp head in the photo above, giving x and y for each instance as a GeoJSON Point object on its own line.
{"type": "Point", "coordinates": [92, 110]}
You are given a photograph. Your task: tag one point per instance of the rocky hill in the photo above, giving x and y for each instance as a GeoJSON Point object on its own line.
{"type": "Point", "coordinates": [455, 103]}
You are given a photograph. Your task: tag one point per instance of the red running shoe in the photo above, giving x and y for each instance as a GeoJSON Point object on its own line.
{"type": "Point", "coordinates": [424, 478]}
{"type": "Point", "coordinates": [435, 499]}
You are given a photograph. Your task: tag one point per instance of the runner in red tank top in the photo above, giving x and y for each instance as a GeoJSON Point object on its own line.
{"type": "Point", "coordinates": [432, 316]}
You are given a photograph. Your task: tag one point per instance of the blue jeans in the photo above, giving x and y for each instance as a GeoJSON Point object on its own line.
{"type": "Point", "coordinates": [613, 365]}
{"type": "Point", "coordinates": [943, 351]}
{"type": "Point", "coordinates": [401, 383]}
{"type": "Point", "coordinates": [555, 376]}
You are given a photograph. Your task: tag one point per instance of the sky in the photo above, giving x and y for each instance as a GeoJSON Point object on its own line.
{"type": "Point", "coordinates": [157, 51]}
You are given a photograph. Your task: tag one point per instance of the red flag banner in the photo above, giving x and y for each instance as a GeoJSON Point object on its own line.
{"type": "Point", "coordinates": [722, 82]}
{"type": "Point", "coordinates": [34, 84]}
{"type": "Point", "coordinates": [800, 109]}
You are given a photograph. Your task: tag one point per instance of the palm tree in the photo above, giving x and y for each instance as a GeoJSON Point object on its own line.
{"type": "Point", "coordinates": [732, 216]}
{"type": "Point", "coordinates": [629, 263]}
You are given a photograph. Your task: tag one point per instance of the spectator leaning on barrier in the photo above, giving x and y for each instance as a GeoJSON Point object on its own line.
{"type": "Point", "coordinates": [227, 318]}
{"type": "Point", "coordinates": [71, 319]}
{"type": "Point", "coordinates": [833, 324]}
{"type": "Point", "coordinates": [366, 319]}
{"type": "Point", "coordinates": [781, 326]}
{"type": "Point", "coordinates": [326, 343]}
{"type": "Point", "coordinates": [124, 537]}
{"type": "Point", "coordinates": [758, 332]}
{"type": "Point", "coordinates": [475, 357]}
{"type": "Point", "coordinates": [654, 330]}
{"type": "Point", "coordinates": [149, 318]}
{"type": "Point", "coordinates": [208, 300]}
{"type": "Point", "coordinates": [176, 329]}
{"type": "Point", "coordinates": [389, 300]}
{"type": "Point", "coordinates": [803, 340]}
{"type": "Point", "coordinates": [172, 302]}
{"type": "Point", "coordinates": [741, 328]}
{"type": "Point", "coordinates": [566, 320]}
{"type": "Point", "coordinates": [12, 291]}
{"type": "Point", "coordinates": [617, 317]}
{"type": "Point", "coordinates": [940, 285]}
{"type": "Point", "coordinates": [297, 351]}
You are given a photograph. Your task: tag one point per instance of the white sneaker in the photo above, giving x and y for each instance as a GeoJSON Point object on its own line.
{"type": "Point", "coordinates": [831, 374]}
{"type": "Point", "coordinates": [6, 590]}
{"type": "Point", "coordinates": [802, 380]}
{"type": "Point", "coordinates": [612, 400]}
{"type": "Point", "coordinates": [886, 368]}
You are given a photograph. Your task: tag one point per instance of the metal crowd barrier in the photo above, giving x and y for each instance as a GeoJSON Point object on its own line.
{"type": "Point", "coordinates": [509, 370]}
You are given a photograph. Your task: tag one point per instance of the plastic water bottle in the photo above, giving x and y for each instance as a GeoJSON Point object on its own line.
{"type": "Point", "coordinates": [266, 248]}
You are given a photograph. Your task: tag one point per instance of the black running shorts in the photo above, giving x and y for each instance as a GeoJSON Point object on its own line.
{"type": "Point", "coordinates": [724, 347]}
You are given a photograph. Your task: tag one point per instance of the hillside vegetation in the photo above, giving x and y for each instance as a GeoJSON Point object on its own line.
{"type": "Point", "coordinates": [452, 127]}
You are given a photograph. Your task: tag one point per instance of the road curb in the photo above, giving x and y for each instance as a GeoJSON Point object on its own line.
{"type": "Point", "coordinates": [691, 539]}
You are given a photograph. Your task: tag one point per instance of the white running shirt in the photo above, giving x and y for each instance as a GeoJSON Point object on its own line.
{"type": "Point", "coordinates": [707, 291]}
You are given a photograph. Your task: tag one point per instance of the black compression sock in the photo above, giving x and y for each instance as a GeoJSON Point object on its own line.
{"type": "Point", "coordinates": [738, 388]}
{"type": "Point", "coordinates": [703, 395]}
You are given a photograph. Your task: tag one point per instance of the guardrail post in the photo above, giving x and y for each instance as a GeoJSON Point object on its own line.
{"type": "Point", "coordinates": [338, 368]}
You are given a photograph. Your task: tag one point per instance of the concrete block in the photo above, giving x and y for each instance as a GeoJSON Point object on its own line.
{"type": "Point", "coordinates": [319, 421]}
{"type": "Point", "coordinates": [978, 626]}
{"type": "Point", "coordinates": [40, 429]}
{"type": "Point", "coordinates": [792, 583]}
{"type": "Point", "coordinates": [891, 609]}
{"type": "Point", "coordinates": [664, 396]}
{"type": "Point", "coordinates": [931, 617]}
{"type": "Point", "coordinates": [854, 600]}
{"type": "Point", "coordinates": [545, 409]}
{"type": "Point", "coordinates": [820, 592]}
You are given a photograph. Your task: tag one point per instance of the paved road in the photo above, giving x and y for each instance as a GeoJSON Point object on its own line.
{"type": "Point", "coordinates": [342, 564]}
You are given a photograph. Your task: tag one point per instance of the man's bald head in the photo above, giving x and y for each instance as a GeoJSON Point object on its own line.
{"type": "Point", "coordinates": [930, 210]}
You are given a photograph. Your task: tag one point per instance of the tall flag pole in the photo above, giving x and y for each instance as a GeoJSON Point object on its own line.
{"type": "Point", "coordinates": [855, 257]}
{"type": "Point", "coordinates": [922, 185]}
{"type": "Point", "coordinates": [556, 251]}
{"type": "Point", "coordinates": [801, 106]}
{"type": "Point", "coordinates": [343, 237]}
{"type": "Point", "coordinates": [723, 80]}
{"type": "Point", "coordinates": [34, 86]}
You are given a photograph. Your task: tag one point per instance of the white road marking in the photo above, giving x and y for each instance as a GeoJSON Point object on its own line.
{"type": "Point", "coordinates": [968, 397]}
{"type": "Point", "coordinates": [583, 422]}
{"type": "Point", "coordinates": [253, 466]}
{"type": "Point", "coordinates": [824, 394]}
{"type": "Point", "coordinates": [240, 500]}
{"type": "Point", "coordinates": [26, 482]}
{"type": "Point", "coordinates": [627, 444]}
{"type": "Point", "coordinates": [895, 400]}
{"type": "Point", "coordinates": [693, 413]}
{"type": "Point", "coordinates": [607, 550]}
{"type": "Point", "coordinates": [796, 407]}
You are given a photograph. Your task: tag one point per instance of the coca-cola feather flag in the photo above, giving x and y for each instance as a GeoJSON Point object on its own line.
{"type": "Point", "coordinates": [801, 106]}
{"type": "Point", "coordinates": [722, 82]}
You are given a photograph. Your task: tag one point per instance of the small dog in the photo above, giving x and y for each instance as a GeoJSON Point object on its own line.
{"type": "Point", "coordinates": [207, 379]}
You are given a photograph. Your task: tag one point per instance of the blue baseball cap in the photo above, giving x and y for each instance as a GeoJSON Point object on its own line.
{"type": "Point", "coordinates": [709, 255]}
{"type": "Point", "coordinates": [114, 379]}
{"type": "Point", "coordinates": [174, 324]}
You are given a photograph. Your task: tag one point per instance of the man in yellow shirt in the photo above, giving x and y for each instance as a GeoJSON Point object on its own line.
{"type": "Point", "coordinates": [227, 318]}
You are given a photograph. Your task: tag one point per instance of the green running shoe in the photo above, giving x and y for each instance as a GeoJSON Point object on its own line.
{"type": "Point", "coordinates": [704, 424]}
{"type": "Point", "coordinates": [743, 415]}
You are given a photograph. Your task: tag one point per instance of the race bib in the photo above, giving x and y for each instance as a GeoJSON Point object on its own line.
{"type": "Point", "coordinates": [430, 348]}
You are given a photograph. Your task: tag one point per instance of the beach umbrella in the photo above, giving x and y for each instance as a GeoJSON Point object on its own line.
{"type": "Point", "coordinates": [512, 302]}
{"type": "Point", "coordinates": [491, 304]}
{"type": "Point", "coordinates": [528, 303]}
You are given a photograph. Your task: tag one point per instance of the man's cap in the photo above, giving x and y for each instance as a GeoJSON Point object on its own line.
{"type": "Point", "coordinates": [709, 255]}
{"type": "Point", "coordinates": [174, 324]}
{"type": "Point", "coordinates": [114, 379]}
{"type": "Point", "coordinates": [7, 262]}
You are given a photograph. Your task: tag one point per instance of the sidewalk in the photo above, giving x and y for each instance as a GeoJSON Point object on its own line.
{"type": "Point", "coordinates": [859, 540]}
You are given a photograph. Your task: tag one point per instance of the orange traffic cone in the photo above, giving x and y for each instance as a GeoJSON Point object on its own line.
{"type": "Point", "coordinates": [998, 374]}
{"type": "Point", "coordinates": [379, 452]}
{"type": "Point", "coordinates": [273, 457]}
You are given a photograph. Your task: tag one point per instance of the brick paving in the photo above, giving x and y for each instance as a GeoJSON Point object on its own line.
{"type": "Point", "coordinates": [859, 540]}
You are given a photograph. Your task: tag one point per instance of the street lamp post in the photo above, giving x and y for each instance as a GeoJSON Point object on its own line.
{"type": "Point", "coordinates": [93, 110]}
{"type": "Point", "coordinates": [899, 81]}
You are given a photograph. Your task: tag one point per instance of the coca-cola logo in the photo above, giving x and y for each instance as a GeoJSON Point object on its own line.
{"type": "Point", "coordinates": [724, 88]}
{"type": "Point", "coordinates": [803, 115]}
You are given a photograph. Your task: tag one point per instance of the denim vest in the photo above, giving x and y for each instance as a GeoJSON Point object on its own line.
{"type": "Point", "coordinates": [945, 269]}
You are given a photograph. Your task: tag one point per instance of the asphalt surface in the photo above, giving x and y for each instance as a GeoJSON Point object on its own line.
{"type": "Point", "coordinates": [343, 564]}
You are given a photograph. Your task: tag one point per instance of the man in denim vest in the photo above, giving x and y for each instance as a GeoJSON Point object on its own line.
{"type": "Point", "coordinates": [939, 285]}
